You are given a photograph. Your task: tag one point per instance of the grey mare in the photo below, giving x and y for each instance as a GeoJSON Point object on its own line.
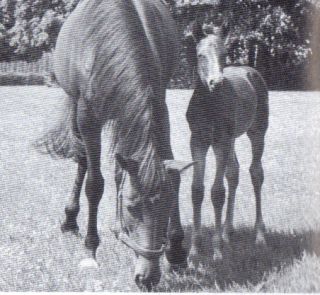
{"type": "Point", "coordinates": [114, 59]}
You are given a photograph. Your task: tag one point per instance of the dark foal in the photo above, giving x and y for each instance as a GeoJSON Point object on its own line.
{"type": "Point", "coordinates": [227, 102]}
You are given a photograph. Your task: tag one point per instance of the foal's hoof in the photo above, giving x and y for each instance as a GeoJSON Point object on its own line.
{"type": "Point", "coordinates": [217, 256]}
{"type": "Point", "coordinates": [70, 227]}
{"type": "Point", "coordinates": [195, 246]}
{"type": "Point", "coordinates": [227, 233]}
{"type": "Point", "coordinates": [194, 251]}
{"type": "Point", "coordinates": [260, 239]}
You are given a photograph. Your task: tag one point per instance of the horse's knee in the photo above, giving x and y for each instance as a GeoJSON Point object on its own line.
{"type": "Point", "coordinates": [218, 196]}
{"type": "Point", "coordinates": [197, 194]}
{"type": "Point", "coordinates": [257, 174]}
{"type": "Point", "coordinates": [232, 175]}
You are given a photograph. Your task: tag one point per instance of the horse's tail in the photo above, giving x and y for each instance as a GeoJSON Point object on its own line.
{"type": "Point", "coordinates": [63, 141]}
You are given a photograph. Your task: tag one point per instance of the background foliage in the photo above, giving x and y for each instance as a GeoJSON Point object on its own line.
{"type": "Point", "coordinates": [274, 36]}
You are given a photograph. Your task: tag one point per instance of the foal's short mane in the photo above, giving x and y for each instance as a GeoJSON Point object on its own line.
{"type": "Point", "coordinates": [124, 63]}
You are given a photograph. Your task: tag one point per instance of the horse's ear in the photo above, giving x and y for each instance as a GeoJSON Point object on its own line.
{"type": "Point", "coordinates": [225, 30]}
{"type": "Point", "coordinates": [128, 164]}
{"type": "Point", "coordinates": [177, 165]}
{"type": "Point", "coordinates": [222, 31]}
{"type": "Point", "coordinates": [197, 31]}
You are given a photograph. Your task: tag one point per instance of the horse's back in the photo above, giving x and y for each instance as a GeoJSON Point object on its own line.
{"type": "Point", "coordinates": [91, 37]}
{"type": "Point", "coordinates": [161, 32]}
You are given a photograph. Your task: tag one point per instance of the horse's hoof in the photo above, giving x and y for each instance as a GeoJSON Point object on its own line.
{"type": "Point", "coordinates": [226, 237]}
{"type": "Point", "coordinates": [194, 251]}
{"type": "Point", "coordinates": [88, 263]}
{"type": "Point", "coordinates": [70, 227]}
{"type": "Point", "coordinates": [227, 232]}
{"type": "Point", "coordinates": [260, 239]}
{"type": "Point", "coordinates": [217, 256]}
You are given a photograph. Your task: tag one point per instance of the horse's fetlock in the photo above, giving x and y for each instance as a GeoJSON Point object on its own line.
{"type": "Point", "coordinates": [256, 172]}
{"type": "Point", "coordinates": [92, 242]}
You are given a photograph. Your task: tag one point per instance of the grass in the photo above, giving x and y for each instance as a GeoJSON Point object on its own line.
{"type": "Point", "coordinates": [36, 256]}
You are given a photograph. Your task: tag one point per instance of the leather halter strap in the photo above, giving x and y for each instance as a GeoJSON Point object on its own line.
{"type": "Point", "coordinates": [124, 237]}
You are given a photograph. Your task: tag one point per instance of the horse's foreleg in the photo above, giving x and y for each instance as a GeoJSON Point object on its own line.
{"type": "Point", "coordinates": [232, 175]}
{"type": "Point", "coordinates": [257, 177]}
{"type": "Point", "coordinates": [175, 252]}
{"type": "Point", "coordinates": [199, 151]}
{"type": "Point", "coordinates": [90, 131]}
{"type": "Point", "coordinates": [73, 206]}
{"type": "Point", "coordinates": [221, 151]}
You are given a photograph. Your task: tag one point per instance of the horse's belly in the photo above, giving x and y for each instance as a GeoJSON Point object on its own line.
{"type": "Point", "coordinates": [245, 97]}
{"type": "Point", "coordinates": [246, 106]}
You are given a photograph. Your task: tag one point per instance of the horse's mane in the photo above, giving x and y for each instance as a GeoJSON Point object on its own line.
{"type": "Point", "coordinates": [124, 62]}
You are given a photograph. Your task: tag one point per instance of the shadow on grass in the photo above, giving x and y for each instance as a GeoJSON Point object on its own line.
{"type": "Point", "coordinates": [243, 262]}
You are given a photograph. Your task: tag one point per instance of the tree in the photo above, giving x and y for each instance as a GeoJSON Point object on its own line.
{"type": "Point", "coordinates": [6, 23]}
{"type": "Point", "coordinates": [36, 25]}
{"type": "Point", "coordinates": [273, 35]}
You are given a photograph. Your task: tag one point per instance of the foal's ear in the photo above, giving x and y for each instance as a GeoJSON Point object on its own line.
{"type": "Point", "coordinates": [128, 164]}
{"type": "Point", "coordinates": [177, 165]}
{"type": "Point", "coordinates": [197, 31]}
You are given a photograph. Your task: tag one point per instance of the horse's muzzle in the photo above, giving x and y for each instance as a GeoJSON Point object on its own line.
{"type": "Point", "coordinates": [214, 83]}
{"type": "Point", "coordinates": [147, 273]}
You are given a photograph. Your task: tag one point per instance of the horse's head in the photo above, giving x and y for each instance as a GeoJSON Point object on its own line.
{"type": "Point", "coordinates": [208, 53]}
{"type": "Point", "coordinates": [144, 215]}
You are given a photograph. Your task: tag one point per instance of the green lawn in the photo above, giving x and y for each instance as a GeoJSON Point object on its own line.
{"type": "Point", "coordinates": [36, 256]}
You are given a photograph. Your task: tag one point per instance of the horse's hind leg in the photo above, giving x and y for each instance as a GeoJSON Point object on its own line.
{"type": "Point", "coordinates": [232, 175]}
{"type": "Point", "coordinates": [90, 131]}
{"type": "Point", "coordinates": [199, 151]}
{"type": "Point", "coordinates": [257, 177]}
{"type": "Point", "coordinates": [73, 206]}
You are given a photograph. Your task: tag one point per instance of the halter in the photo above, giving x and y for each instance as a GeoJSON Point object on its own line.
{"type": "Point", "coordinates": [123, 235]}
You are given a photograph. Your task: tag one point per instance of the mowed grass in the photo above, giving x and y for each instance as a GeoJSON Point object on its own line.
{"type": "Point", "coordinates": [36, 256]}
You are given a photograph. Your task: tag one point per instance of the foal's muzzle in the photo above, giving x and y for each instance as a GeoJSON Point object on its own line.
{"type": "Point", "coordinates": [213, 83]}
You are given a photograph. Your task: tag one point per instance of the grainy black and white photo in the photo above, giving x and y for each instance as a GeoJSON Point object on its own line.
{"type": "Point", "coordinates": [160, 145]}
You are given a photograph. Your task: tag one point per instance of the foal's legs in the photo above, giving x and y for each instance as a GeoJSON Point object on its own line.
{"type": "Point", "coordinates": [257, 177]}
{"type": "Point", "coordinates": [232, 175]}
{"type": "Point", "coordinates": [222, 152]}
{"type": "Point", "coordinates": [90, 131]}
{"type": "Point", "coordinates": [199, 151]}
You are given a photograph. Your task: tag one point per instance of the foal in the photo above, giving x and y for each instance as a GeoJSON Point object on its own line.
{"type": "Point", "coordinates": [227, 102]}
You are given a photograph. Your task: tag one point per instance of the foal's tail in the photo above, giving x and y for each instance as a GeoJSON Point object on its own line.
{"type": "Point", "coordinates": [63, 141]}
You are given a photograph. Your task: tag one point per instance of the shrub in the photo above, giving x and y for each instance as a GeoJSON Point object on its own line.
{"type": "Point", "coordinates": [14, 79]}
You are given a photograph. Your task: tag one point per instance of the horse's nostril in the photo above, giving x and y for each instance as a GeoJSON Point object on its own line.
{"type": "Point", "coordinates": [138, 280]}
{"type": "Point", "coordinates": [142, 283]}
{"type": "Point", "coordinates": [211, 82]}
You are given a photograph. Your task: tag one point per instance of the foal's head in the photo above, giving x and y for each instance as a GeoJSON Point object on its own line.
{"type": "Point", "coordinates": [210, 53]}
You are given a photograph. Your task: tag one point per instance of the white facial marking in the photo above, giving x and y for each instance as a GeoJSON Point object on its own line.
{"type": "Point", "coordinates": [209, 67]}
